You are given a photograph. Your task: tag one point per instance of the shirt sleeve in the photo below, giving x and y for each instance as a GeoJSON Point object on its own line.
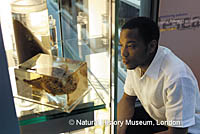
{"type": "Point", "coordinates": [180, 103]}
{"type": "Point", "coordinates": [128, 87]}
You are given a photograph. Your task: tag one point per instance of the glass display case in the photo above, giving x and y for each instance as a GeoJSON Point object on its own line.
{"type": "Point", "coordinates": [79, 31]}
{"type": "Point", "coordinates": [82, 38]}
{"type": "Point", "coordinates": [50, 80]}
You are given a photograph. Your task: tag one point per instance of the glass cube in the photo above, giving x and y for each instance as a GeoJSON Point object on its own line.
{"type": "Point", "coordinates": [52, 82]}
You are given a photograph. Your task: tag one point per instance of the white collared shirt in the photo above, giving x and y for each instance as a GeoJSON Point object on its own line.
{"type": "Point", "coordinates": [168, 91]}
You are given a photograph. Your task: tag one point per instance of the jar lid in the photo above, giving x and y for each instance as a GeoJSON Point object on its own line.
{"type": "Point", "coordinates": [27, 6]}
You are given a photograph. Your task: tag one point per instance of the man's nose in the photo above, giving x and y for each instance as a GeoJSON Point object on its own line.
{"type": "Point", "coordinates": [124, 52]}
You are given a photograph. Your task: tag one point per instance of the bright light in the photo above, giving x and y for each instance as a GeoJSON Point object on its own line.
{"type": "Point", "coordinates": [38, 22]}
{"type": "Point", "coordinates": [6, 23]}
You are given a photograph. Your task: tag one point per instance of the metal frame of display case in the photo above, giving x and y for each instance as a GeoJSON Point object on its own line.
{"type": "Point", "coordinates": [8, 114]}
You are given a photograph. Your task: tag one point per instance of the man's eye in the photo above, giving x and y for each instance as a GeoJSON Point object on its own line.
{"type": "Point", "coordinates": [131, 46]}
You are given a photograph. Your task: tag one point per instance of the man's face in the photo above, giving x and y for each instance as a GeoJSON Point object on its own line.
{"type": "Point", "coordinates": [133, 49]}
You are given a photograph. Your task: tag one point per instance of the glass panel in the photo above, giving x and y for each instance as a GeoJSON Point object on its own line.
{"type": "Point", "coordinates": [31, 113]}
{"type": "Point", "coordinates": [85, 33]}
{"type": "Point", "coordinates": [86, 37]}
{"type": "Point", "coordinates": [126, 10]}
{"type": "Point", "coordinates": [137, 8]}
{"type": "Point", "coordinates": [129, 9]}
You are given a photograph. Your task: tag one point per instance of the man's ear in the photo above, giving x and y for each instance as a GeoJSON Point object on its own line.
{"type": "Point", "coordinates": [152, 46]}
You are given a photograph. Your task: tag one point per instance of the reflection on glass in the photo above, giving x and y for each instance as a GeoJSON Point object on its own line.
{"type": "Point", "coordinates": [85, 20]}
{"type": "Point", "coordinates": [85, 26]}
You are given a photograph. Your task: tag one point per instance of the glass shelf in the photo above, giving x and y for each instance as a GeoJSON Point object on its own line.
{"type": "Point", "coordinates": [90, 102]}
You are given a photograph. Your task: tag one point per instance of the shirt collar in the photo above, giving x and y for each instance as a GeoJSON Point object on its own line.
{"type": "Point", "coordinates": [155, 66]}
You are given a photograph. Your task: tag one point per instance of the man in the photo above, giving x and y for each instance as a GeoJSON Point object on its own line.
{"type": "Point", "coordinates": [165, 85]}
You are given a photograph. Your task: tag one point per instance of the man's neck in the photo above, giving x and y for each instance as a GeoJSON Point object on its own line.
{"type": "Point", "coordinates": [145, 66]}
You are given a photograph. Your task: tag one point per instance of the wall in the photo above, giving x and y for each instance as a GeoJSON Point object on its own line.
{"type": "Point", "coordinates": [179, 22]}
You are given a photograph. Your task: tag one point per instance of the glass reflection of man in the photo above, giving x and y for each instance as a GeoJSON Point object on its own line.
{"type": "Point", "coordinates": [164, 84]}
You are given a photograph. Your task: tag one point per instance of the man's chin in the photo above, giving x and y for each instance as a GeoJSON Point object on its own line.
{"type": "Point", "coordinates": [131, 67]}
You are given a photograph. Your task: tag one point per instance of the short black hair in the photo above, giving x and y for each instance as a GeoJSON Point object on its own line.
{"type": "Point", "coordinates": [148, 29]}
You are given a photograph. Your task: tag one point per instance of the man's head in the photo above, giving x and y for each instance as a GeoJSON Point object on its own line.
{"type": "Point", "coordinates": [139, 41]}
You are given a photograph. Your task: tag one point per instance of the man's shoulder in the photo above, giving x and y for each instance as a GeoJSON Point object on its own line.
{"type": "Point", "coordinates": [173, 67]}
